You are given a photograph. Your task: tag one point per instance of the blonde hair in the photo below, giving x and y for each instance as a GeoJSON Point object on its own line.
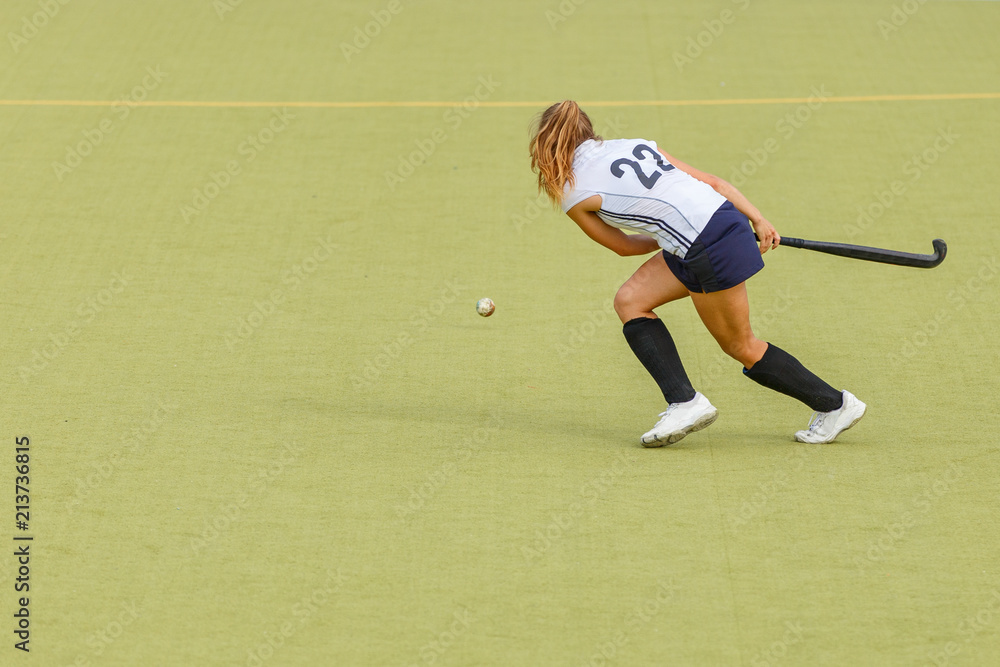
{"type": "Point", "coordinates": [561, 128]}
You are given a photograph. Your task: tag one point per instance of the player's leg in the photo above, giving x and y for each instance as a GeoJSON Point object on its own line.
{"type": "Point", "coordinates": [653, 285]}
{"type": "Point", "coordinates": [726, 314]}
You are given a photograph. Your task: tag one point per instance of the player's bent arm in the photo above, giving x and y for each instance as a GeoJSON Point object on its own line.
{"type": "Point", "coordinates": [769, 237]}
{"type": "Point", "coordinates": [584, 214]}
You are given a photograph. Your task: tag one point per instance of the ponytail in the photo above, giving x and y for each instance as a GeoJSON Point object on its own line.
{"type": "Point", "coordinates": [561, 128]}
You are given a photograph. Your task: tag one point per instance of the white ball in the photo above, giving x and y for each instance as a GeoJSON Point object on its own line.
{"type": "Point", "coordinates": [485, 307]}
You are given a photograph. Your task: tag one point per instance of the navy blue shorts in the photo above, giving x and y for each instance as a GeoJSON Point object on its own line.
{"type": "Point", "coordinates": [724, 255]}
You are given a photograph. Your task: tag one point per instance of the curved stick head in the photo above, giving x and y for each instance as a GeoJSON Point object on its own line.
{"type": "Point", "coordinates": [940, 250]}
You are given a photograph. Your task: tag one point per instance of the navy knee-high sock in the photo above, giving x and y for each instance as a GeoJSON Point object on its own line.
{"type": "Point", "coordinates": [652, 344]}
{"type": "Point", "coordinates": [782, 372]}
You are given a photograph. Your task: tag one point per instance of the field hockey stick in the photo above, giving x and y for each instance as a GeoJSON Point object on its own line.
{"type": "Point", "coordinates": [873, 254]}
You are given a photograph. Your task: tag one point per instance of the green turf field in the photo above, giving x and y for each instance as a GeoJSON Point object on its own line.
{"type": "Point", "coordinates": [267, 426]}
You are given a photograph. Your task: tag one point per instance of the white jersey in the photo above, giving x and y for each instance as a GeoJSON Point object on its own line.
{"type": "Point", "coordinates": [642, 192]}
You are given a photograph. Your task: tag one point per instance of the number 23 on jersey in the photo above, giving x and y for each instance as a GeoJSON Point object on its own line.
{"type": "Point", "coordinates": [640, 151]}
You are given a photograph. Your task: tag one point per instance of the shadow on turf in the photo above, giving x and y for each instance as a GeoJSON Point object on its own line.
{"type": "Point", "coordinates": [554, 431]}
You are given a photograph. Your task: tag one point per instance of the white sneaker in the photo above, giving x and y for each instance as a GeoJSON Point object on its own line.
{"type": "Point", "coordinates": [679, 419]}
{"type": "Point", "coordinates": [826, 426]}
